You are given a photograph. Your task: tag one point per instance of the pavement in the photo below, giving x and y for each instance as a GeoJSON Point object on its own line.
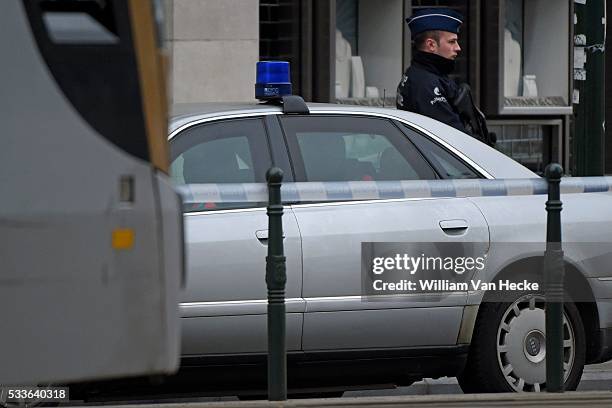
{"type": "Point", "coordinates": [542, 400]}
{"type": "Point", "coordinates": [595, 390]}
{"type": "Point", "coordinates": [597, 377]}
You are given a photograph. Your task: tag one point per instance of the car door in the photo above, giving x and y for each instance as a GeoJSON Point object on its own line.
{"type": "Point", "coordinates": [224, 304]}
{"type": "Point", "coordinates": [353, 148]}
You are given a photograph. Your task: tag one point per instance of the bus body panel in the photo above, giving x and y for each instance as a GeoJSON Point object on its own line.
{"type": "Point", "coordinates": [87, 289]}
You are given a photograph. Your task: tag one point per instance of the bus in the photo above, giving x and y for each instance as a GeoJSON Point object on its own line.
{"type": "Point", "coordinates": [91, 239]}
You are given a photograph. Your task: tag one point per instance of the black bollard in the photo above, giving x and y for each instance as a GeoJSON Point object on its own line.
{"type": "Point", "coordinates": [276, 278]}
{"type": "Point", "coordinates": [554, 272]}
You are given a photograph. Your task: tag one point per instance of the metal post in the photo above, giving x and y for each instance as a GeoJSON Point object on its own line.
{"type": "Point", "coordinates": [554, 272]}
{"type": "Point", "coordinates": [276, 278]}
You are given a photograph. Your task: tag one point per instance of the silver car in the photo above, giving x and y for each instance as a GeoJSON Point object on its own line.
{"type": "Point", "coordinates": [491, 345]}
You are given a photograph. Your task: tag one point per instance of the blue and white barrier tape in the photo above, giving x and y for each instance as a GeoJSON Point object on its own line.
{"type": "Point", "coordinates": [374, 190]}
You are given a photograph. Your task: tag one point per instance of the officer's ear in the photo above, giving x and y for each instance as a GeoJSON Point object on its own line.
{"type": "Point", "coordinates": [431, 45]}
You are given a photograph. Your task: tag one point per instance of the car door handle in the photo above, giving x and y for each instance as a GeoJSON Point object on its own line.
{"type": "Point", "coordinates": [454, 227]}
{"type": "Point", "coordinates": [262, 235]}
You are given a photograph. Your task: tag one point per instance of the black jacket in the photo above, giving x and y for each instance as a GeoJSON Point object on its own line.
{"type": "Point", "coordinates": [426, 89]}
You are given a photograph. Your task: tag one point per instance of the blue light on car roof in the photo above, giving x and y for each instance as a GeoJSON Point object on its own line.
{"type": "Point", "coordinates": [273, 80]}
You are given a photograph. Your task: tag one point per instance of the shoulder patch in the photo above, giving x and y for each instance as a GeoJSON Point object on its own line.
{"type": "Point", "coordinates": [438, 98]}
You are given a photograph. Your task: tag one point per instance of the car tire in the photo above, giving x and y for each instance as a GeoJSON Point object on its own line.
{"type": "Point", "coordinates": [499, 359]}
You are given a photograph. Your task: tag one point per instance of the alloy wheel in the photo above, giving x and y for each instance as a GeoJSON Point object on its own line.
{"type": "Point", "coordinates": [521, 345]}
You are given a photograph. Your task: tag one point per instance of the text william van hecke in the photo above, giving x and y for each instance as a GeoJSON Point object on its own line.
{"type": "Point", "coordinates": [445, 285]}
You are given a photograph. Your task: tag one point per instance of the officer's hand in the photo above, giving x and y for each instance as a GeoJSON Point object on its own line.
{"type": "Point", "coordinates": [492, 139]}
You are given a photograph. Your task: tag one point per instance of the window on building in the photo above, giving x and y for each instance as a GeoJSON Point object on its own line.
{"type": "Point", "coordinates": [369, 54]}
{"type": "Point", "coordinates": [280, 35]}
{"type": "Point", "coordinates": [535, 75]}
{"type": "Point", "coordinates": [533, 143]}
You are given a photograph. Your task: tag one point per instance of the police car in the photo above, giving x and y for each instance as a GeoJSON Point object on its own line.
{"type": "Point", "coordinates": [335, 339]}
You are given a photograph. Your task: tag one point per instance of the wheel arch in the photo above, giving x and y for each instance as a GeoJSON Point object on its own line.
{"type": "Point", "coordinates": [575, 283]}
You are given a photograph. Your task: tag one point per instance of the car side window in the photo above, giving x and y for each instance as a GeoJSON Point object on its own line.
{"type": "Point", "coordinates": [445, 163]}
{"type": "Point", "coordinates": [233, 151]}
{"type": "Point", "coordinates": [352, 148]}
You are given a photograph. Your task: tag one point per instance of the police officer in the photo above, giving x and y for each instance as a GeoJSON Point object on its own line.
{"type": "Point", "coordinates": [425, 87]}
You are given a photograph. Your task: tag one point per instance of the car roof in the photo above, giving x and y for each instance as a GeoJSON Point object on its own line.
{"type": "Point", "coordinates": [497, 164]}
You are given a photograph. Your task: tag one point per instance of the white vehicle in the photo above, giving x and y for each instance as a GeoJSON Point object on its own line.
{"type": "Point", "coordinates": [334, 338]}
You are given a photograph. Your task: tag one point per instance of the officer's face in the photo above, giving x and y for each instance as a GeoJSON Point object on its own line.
{"type": "Point", "coordinates": [448, 47]}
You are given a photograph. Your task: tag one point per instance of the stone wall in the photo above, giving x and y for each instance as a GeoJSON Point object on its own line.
{"type": "Point", "coordinates": [214, 46]}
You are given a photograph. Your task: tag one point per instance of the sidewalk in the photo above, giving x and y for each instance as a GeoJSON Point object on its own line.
{"type": "Point", "coordinates": [594, 378]}
{"type": "Point", "coordinates": [543, 400]}
{"type": "Point", "coordinates": [595, 389]}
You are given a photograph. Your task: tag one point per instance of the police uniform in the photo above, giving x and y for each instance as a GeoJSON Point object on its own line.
{"type": "Point", "coordinates": [425, 87]}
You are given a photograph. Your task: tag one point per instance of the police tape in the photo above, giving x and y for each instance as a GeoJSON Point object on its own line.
{"type": "Point", "coordinates": [310, 192]}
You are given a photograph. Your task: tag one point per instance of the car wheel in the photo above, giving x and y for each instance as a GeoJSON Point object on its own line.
{"type": "Point", "coordinates": [508, 347]}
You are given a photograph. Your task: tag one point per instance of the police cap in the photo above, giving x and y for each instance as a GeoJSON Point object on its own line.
{"type": "Point", "coordinates": [442, 19]}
